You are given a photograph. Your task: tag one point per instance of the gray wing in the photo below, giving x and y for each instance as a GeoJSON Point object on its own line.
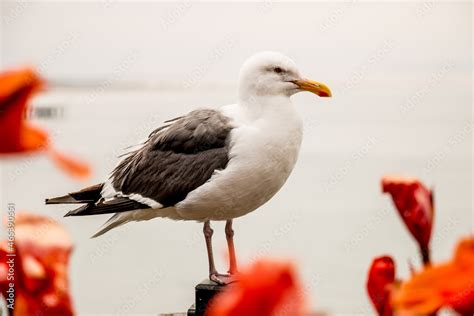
{"type": "Point", "coordinates": [177, 158]}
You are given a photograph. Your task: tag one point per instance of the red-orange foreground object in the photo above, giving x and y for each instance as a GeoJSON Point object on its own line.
{"type": "Point", "coordinates": [380, 280]}
{"type": "Point", "coordinates": [37, 267]}
{"type": "Point", "coordinates": [18, 135]}
{"type": "Point", "coordinates": [449, 284]}
{"type": "Point", "coordinates": [265, 288]}
{"type": "Point", "coordinates": [414, 203]}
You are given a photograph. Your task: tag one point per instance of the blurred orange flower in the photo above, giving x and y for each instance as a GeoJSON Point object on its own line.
{"type": "Point", "coordinates": [265, 288]}
{"type": "Point", "coordinates": [414, 203]}
{"type": "Point", "coordinates": [38, 269]}
{"type": "Point", "coordinates": [20, 135]}
{"type": "Point", "coordinates": [380, 280]}
{"type": "Point", "coordinates": [449, 284]}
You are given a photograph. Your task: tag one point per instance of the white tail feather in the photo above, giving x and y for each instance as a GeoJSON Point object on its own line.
{"type": "Point", "coordinates": [113, 222]}
{"type": "Point", "coordinates": [137, 215]}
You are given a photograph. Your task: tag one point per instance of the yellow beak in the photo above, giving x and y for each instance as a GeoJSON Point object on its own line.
{"type": "Point", "coordinates": [312, 86]}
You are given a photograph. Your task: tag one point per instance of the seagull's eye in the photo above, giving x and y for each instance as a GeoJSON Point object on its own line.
{"type": "Point", "coordinates": [278, 70]}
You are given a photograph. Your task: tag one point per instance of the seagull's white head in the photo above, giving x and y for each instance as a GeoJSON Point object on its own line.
{"type": "Point", "coordinates": [274, 74]}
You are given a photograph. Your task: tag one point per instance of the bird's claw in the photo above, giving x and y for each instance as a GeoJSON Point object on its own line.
{"type": "Point", "coordinates": [215, 278]}
{"type": "Point", "coordinates": [222, 279]}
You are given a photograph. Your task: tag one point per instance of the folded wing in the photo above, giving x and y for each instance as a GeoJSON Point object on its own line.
{"type": "Point", "coordinates": [176, 159]}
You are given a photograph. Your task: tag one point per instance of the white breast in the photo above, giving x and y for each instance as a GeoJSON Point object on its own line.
{"type": "Point", "coordinates": [263, 152]}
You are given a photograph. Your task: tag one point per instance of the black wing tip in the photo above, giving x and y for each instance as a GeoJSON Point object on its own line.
{"type": "Point", "coordinates": [90, 194]}
{"type": "Point", "coordinates": [71, 213]}
{"type": "Point", "coordinates": [66, 199]}
{"type": "Point", "coordinates": [117, 205]}
{"type": "Point", "coordinates": [83, 210]}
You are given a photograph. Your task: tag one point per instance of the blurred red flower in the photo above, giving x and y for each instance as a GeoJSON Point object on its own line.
{"type": "Point", "coordinates": [20, 135]}
{"type": "Point", "coordinates": [414, 203]}
{"type": "Point", "coordinates": [265, 288]}
{"type": "Point", "coordinates": [39, 268]}
{"type": "Point", "coordinates": [449, 284]}
{"type": "Point", "coordinates": [380, 280]}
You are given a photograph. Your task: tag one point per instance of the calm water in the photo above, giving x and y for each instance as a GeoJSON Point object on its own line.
{"type": "Point", "coordinates": [330, 217]}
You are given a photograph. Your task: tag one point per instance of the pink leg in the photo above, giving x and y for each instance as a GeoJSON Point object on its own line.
{"type": "Point", "coordinates": [229, 233]}
{"type": "Point", "coordinates": [208, 232]}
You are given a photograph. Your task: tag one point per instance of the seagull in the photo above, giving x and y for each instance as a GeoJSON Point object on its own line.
{"type": "Point", "coordinates": [210, 164]}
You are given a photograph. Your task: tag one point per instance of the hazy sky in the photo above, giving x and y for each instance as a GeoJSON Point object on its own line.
{"type": "Point", "coordinates": [195, 43]}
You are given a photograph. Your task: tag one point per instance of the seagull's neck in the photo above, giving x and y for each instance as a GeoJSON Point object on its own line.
{"type": "Point", "coordinates": [266, 106]}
